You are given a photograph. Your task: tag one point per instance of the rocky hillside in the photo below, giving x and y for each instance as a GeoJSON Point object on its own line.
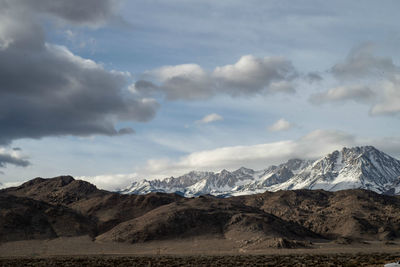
{"type": "Point", "coordinates": [354, 213]}
{"type": "Point", "coordinates": [206, 216]}
{"type": "Point", "coordinates": [106, 209]}
{"type": "Point", "coordinates": [23, 218]}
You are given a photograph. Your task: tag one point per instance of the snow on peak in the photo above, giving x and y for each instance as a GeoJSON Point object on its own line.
{"type": "Point", "coordinates": [357, 167]}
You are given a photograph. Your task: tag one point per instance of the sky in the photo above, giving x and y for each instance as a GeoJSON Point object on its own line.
{"type": "Point", "coordinates": [114, 91]}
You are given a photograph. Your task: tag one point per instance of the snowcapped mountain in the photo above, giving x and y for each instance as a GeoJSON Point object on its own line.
{"type": "Point", "coordinates": [358, 167]}
{"type": "Point", "coordinates": [195, 183]}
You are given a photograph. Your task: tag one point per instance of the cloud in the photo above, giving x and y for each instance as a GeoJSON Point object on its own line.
{"type": "Point", "coordinates": [88, 12]}
{"type": "Point", "coordinates": [362, 62]}
{"type": "Point", "coordinates": [186, 81]}
{"type": "Point", "coordinates": [190, 71]}
{"type": "Point", "coordinates": [313, 77]}
{"type": "Point", "coordinates": [9, 184]}
{"type": "Point", "coordinates": [252, 75]}
{"type": "Point", "coordinates": [248, 76]}
{"type": "Point", "coordinates": [46, 90]}
{"type": "Point", "coordinates": [126, 130]}
{"type": "Point", "coordinates": [389, 103]}
{"type": "Point", "coordinates": [311, 146]}
{"type": "Point", "coordinates": [210, 118]}
{"type": "Point", "coordinates": [12, 157]}
{"type": "Point", "coordinates": [375, 81]}
{"type": "Point", "coordinates": [280, 125]}
{"type": "Point", "coordinates": [358, 93]}
{"type": "Point", "coordinates": [282, 87]}
{"type": "Point", "coordinates": [390, 145]}
{"type": "Point", "coordinates": [110, 181]}
{"type": "Point", "coordinates": [142, 87]}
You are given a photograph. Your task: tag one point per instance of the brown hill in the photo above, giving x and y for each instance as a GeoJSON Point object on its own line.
{"type": "Point", "coordinates": [106, 208]}
{"type": "Point", "coordinates": [24, 218]}
{"type": "Point", "coordinates": [63, 190]}
{"type": "Point", "coordinates": [205, 216]}
{"type": "Point", "coordinates": [349, 213]}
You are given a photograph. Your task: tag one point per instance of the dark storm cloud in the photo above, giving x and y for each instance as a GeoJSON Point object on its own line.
{"type": "Point", "coordinates": [45, 90]}
{"type": "Point", "coordinates": [6, 158]}
{"type": "Point", "coordinates": [87, 12]}
{"type": "Point", "coordinates": [126, 130]}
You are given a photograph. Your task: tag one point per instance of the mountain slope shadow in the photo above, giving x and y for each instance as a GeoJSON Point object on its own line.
{"type": "Point", "coordinates": [106, 208]}
{"type": "Point", "coordinates": [353, 213]}
{"type": "Point", "coordinates": [205, 216]}
{"type": "Point", "coordinates": [24, 218]}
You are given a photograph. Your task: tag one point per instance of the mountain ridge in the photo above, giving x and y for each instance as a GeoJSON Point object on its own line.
{"type": "Point", "coordinates": [62, 207]}
{"type": "Point", "coordinates": [362, 167]}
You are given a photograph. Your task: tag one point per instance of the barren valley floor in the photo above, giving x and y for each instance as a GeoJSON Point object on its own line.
{"type": "Point", "coordinates": [192, 252]}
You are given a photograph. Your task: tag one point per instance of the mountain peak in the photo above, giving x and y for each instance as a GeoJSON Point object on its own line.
{"type": "Point", "coordinates": [61, 189]}
{"type": "Point", "coordinates": [64, 179]}
{"type": "Point", "coordinates": [59, 180]}
{"type": "Point", "coordinates": [361, 149]}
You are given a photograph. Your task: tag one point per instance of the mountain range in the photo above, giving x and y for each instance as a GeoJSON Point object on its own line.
{"type": "Point", "coordinates": [350, 168]}
{"type": "Point", "coordinates": [289, 217]}
{"type": "Point", "coordinates": [65, 207]}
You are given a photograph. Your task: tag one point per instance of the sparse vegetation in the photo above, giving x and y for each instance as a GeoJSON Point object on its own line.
{"type": "Point", "coordinates": [377, 259]}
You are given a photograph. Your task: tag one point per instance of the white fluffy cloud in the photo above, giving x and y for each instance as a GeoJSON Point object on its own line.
{"type": "Point", "coordinates": [249, 75]}
{"type": "Point", "coordinates": [280, 125]}
{"type": "Point", "coordinates": [312, 145]}
{"type": "Point", "coordinates": [210, 118]}
{"type": "Point", "coordinates": [110, 181]}
{"type": "Point", "coordinates": [190, 71]}
{"type": "Point", "coordinates": [358, 93]}
{"type": "Point", "coordinates": [252, 75]}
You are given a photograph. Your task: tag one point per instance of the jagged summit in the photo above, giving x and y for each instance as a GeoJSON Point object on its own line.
{"type": "Point", "coordinates": [362, 167]}
{"type": "Point", "coordinates": [357, 167]}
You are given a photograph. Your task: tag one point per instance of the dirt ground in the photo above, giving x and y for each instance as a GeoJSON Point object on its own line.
{"type": "Point", "coordinates": [82, 251]}
{"type": "Point", "coordinates": [377, 259]}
